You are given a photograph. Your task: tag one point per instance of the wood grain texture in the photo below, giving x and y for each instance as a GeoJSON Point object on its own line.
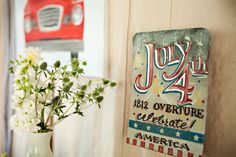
{"type": "Point", "coordinates": [1, 78]}
{"type": "Point", "coordinates": [219, 18]}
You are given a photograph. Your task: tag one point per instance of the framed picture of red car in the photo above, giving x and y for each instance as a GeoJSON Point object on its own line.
{"type": "Point", "coordinates": [54, 25]}
{"type": "Point", "coordinates": [64, 29]}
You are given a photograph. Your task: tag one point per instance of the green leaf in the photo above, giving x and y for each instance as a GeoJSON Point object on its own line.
{"type": "Point", "coordinates": [62, 117]}
{"type": "Point", "coordinates": [45, 74]}
{"type": "Point", "coordinates": [42, 90]}
{"type": "Point", "coordinates": [75, 62]}
{"type": "Point", "coordinates": [81, 113]}
{"type": "Point", "coordinates": [63, 106]}
{"type": "Point", "coordinates": [64, 67]}
{"type": "Point", "coordinates": [18, 81]}
{"type": "Point", "coordinates": [50, 86]}
{"type": "Point", "coordinates": [81, 95]}
{"type": "Point", "coordinates": [55, 100]}
{"type": "Point", "coordinates": [89, 83]}
{"type": "Point", "coordinates": [95, 93]}
{"type": "Point", "coordinates": [71, 84]}
{"type": "Point", "coordinates": [11, 70]}
{"type": "Point", "coordinates": [48, 104]}
{"type": "Point", "coordinates": [4, 154]}
{"type": "Point", "coordinates": [66, 88]}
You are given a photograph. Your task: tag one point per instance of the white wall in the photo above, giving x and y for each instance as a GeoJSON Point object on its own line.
{"type": "Point", "coordinates": [95, 38]}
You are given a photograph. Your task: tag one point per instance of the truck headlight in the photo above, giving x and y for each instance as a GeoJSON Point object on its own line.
{"type": "Point", "coordinates": [77, 15]}
{"type": "Point", "coordinates": [27, 25]}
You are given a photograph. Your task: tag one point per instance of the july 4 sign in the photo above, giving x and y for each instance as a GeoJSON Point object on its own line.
{"type": "Point", "coordinates": [169, 91]}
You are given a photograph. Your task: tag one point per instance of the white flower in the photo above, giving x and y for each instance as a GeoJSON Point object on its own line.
{"type": "Point", "coordinates": [31, 73]}
{"type": "Point", "coordinates": [16, 122]}
{"type": "Point", "coordinates": [24, 100]}
{"type": "Point", "coordinates": [18, 93]}
{"type": "Point", "coordinates": [24, 123]}
{"type": "Point", "coordinates": [24, 106]}
{"type": "Point", "coordinates": [33, 54]}
{"type": "Point", "coordinates": [18, 71]}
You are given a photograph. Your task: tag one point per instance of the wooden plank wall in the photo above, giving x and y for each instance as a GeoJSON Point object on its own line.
{"type": "Point", "coordinates": [219, 17]}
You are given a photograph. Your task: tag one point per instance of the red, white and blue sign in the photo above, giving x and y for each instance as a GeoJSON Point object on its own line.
{"type": "Point", "coordinates": [169, 91]}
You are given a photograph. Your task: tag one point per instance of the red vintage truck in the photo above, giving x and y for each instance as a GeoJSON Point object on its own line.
{"type": "Point", "coordinates": [54, 22]}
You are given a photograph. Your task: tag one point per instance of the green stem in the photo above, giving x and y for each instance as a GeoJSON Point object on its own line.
{"type": "Point", "coordinates": [58, 121]}
{"type": "Point", "coordinates": [36, 96]}
{"type": "Point", "coordinates": [86, 107]}
{"type": "Point", "coordinates": [44, 106]}
{"type": "Point", "coordinates": [53, 110]}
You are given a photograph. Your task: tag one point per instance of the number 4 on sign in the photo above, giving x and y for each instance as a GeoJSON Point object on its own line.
{"type": "Point", "coordinates": [181, 85]}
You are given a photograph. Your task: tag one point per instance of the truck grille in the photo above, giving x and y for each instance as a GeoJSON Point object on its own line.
{"type": "Point", "coordinates": [50, 18]}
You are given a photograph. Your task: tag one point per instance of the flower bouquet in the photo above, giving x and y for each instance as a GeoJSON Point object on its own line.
{"type": "Point", "coordinates": [44, 95]}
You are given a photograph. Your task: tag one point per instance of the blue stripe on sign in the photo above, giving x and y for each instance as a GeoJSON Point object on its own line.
{"type": "Point", "coordinates": [165, 131]}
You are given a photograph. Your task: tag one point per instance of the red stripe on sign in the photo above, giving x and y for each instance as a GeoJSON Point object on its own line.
{"type": "Point", "coordinates": [160, 149]}
{"type": "Point", "coordinates": [190, 154]}
{"type": "Point", "coordinates": [128, 140]}
{"type": "Point", "coordinates": [179, 153]}
{"type": "Point", "coordinates": [134, 142]}
{"type": "Point", "coordinates": [151, 146]}
{"type": "Point", "coordinates": [170, 151]}
{"type": "Point", "coordinates": [142, 144]}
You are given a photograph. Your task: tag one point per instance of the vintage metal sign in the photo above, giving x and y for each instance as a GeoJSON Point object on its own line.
{"type": "Point", "coordinates": [169, 91]}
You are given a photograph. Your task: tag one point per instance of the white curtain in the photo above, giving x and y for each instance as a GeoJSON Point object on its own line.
{"type": "Point", "coordinates": [7, 53]}
{"type": "Point", "coordinates": [1, 80]}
